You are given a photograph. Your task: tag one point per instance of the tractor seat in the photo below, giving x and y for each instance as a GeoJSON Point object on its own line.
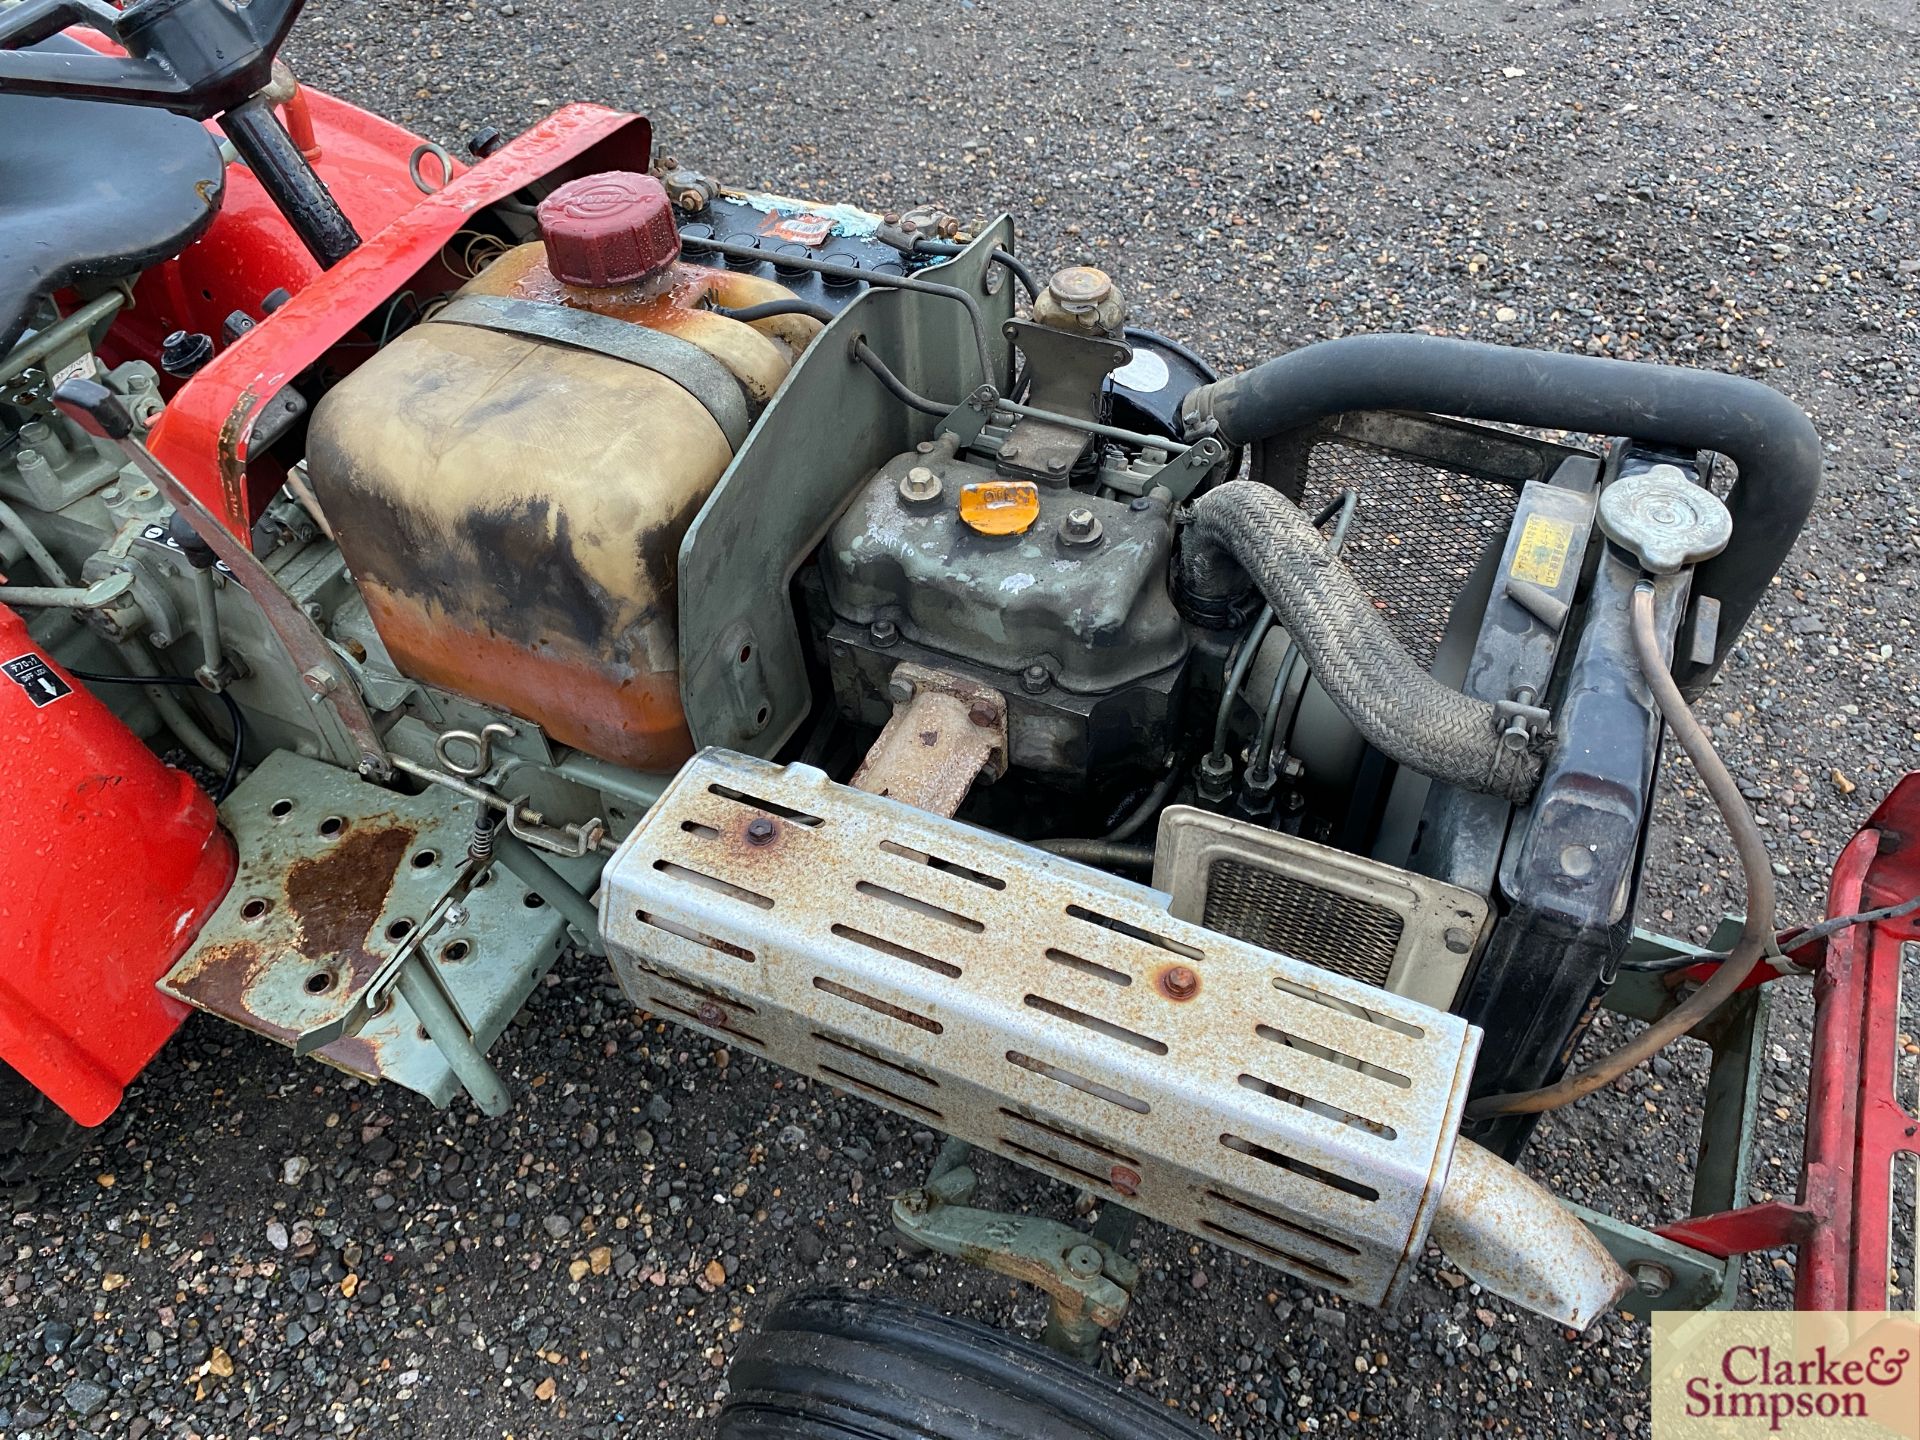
{"type": "Point", "coordinates": [93, 191]}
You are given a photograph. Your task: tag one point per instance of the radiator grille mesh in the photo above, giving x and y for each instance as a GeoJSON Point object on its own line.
{"type": "Point", "coordinates": [1416, 535]}
{"type": "Point", "coordinates": [1290, 916]}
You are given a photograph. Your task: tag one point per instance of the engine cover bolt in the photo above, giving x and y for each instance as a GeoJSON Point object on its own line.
{"type": "Point", "coordinates": [761, 831]}
{"type": "Point", "coordinates": [1081, 527]}
{"type": "Point", "coordinates": [982, 713]}
{"type": "Point", "coordinates": [919, 484]}
{"type": "Point", "coordinates": [1056, 465]}
{"type": "Point", "coordinates": [1034, 679]}
{"type": "Point", "coordinates": [1180, 983]}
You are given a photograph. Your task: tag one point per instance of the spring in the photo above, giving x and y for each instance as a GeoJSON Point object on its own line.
{"type": "Point", "coordinates": [480, 843]}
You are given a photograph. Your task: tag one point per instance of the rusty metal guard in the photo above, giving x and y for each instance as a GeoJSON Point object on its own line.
{"type": "Point", "coordinates": [1046, 1011]}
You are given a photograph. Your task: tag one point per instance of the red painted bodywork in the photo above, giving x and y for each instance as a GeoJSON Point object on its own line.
{"type": "Point", "coordinates": [1856, 1124]}
{"type": "Point", "coordinates": [110, 865]}
{"type": "Point", "coordinates": [113, 860]}
{"type": "Point", "coordinates": [203, 435]}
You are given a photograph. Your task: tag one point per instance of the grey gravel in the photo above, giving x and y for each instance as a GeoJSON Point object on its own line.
{"type": "Point", "coordinates": [1730, 186]}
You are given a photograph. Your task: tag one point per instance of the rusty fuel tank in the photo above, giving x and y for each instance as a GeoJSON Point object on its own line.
{"type": "Point", "coordinates": [510, 480]}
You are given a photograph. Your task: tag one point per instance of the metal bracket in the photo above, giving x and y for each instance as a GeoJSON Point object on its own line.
{"type": "Point", "coordinates": [1087, 1280]}
{"type": "Point", "coordinates": [945, 733]}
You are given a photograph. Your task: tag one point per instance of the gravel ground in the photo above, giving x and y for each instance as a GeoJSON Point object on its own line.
{"type": "Point", "coordinates": [275, 1250]}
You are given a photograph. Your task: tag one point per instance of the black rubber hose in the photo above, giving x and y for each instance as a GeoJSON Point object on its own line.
{"type": "Point", "coordinates": [1403, 711]}
{"type": "Point", "coordinates": [1766, 435]}
{"type": "Point", "coordinates": [771, 308]}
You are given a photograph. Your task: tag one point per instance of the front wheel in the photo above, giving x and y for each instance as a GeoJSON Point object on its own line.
{"type": "Point", "coordinates": [834, 1365]}
{"type": "Point", "coordinates": [38, 1139]}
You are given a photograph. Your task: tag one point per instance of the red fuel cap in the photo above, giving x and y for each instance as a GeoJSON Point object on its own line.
{"type": "Point", "coordinates": [609, 229]}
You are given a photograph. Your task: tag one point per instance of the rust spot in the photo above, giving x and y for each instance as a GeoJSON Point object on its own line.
{"type": "Point", "coordinates": [1125, 1180]}
{"type": "Point", "coordinates": [336, 897]}
{"type": "Point", "coordinates": [233, 461]}
{"type": "Point", "coordinates": [1178, 982]}
{"type": "Point", "coordinates": [711, 1014]}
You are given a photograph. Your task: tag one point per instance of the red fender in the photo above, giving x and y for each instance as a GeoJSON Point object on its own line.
{"type": "Point", "coordinates": [109, 865]}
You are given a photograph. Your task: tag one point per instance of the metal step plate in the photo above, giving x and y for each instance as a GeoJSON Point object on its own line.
{"type": "Point", "coordinates": [334, 875]}
{"type": "Point", "coordinates": [1049, 1012]}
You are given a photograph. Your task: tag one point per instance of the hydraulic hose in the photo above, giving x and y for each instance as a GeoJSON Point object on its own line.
{"type": "Point", "coordinates": [1403, 711]}
{"type": "Point", "coordinates": [1755, 937]}
{"type": "Point", "coordinates": [1768, 437]}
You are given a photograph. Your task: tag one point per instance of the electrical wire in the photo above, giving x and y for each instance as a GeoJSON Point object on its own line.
{"type": "Point", "coordinates": [1789, 941]}
{"type": "Point", "coordinates": [1756, 936]}
{"type": "Point", "coordinates": [236, 720]}
{"type": "Point", "coordinates": [771, 308]}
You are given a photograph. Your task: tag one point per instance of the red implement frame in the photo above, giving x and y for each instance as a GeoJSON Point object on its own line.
{"type": "Point", "coordinates": [1856, 1124]}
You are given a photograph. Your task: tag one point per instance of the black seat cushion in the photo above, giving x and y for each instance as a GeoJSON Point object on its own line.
{"type": "Point", "coordinates": [92, 191]}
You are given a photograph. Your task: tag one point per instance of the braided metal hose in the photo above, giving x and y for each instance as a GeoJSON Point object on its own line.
{"type": "Point", "coordinates": [1401, 710]}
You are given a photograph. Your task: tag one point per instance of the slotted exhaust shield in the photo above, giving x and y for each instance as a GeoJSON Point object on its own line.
{"type": "Point", "coordinates": [1029, 1005]}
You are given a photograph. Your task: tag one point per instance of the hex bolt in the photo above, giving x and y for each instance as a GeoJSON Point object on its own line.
{"type": "Point", "coordinates": [982, 713]}
{"type": "Point", "coordinates": [711, 1014]}
{"type": "Point", "coordinates": [883, 633]}
{"type": "Point", "coordinates": [1653, 1278]}
{"type": "Point", "coordinates": [1081, 527]}
{"type": "Point", "coordinates": [900, 690]}
{"type": "Point", "coordinates": [321, 681]}
{"type": "Point", "coordinates": [1180, 983]}
{"type": "Point", "coordinates": [919, 485]}
{"type": "Point", "coordinates": [1009, 452]}
{"type": "Point", "coordinates": [1125, 1180]}
{"type": "Point", "coordinates": [1056, 465]}
{"type": "Point", "coordinates": [1458, 940]}
{"type": "Point", "coordinates": [1034, 679]}
{"type": "Point", "coordinates": [761, 831]}
{"type": "Point", "coordinates": [1084, 1262]}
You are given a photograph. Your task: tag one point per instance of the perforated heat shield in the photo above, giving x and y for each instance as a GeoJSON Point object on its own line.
{"type": "Point", "coordinates": [1049, 1012]}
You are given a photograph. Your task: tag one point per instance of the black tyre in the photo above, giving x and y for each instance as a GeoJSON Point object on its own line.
{"type": "Point", "coordinates": [828, 1365]}
{"type": "Point", "coordinates": [37, 1138]}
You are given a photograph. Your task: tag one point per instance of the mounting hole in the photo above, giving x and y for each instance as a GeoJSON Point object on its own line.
{"type": "Point", "coordinates": [280, 808]}
{"type": "Point", "coordinates": [333, 825]}
{"type": "Point", "coordinates": [319, 982]}
{"type": "Point", "coordinates": [400, 929]}
{"type": "Point", "coordinates": [484, 879]}
{"type": "Point", "coordinates": [425, 859]}
{"type": "Point", "coordinates": [532, 901]}
{"type": "Point", "coordinates": [760, 716]}
{"type": "Point", "coordinates": [746, 654]}
{"type": "Point", "coordinates": [421, 1031]}
{"type": "Point", "coordinates": [255, 908]}
{"type": "Point", "coordinates": [455, 950]}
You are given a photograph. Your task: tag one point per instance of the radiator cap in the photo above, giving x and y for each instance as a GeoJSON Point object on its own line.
{"type": "Point", "coordinates": [1664, 520]}
{"type": "Point", "coordinates": [614, 228]}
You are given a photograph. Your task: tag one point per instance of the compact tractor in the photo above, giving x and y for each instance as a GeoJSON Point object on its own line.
{"type": "Point", "coordinates": [898, 666]}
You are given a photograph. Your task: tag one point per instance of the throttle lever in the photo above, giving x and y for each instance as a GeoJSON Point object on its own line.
{"type": "Point", "coordinates": [99, 411]}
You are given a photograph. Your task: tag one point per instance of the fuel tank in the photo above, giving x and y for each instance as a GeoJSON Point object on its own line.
{"type": "Point", "coordinates": [111, 864]}
{"type": "Point", "coordinates": [510, 480]}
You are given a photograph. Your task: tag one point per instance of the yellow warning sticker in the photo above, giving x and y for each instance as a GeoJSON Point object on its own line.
{"type": "Point", "coordinates": [1541, 557]}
